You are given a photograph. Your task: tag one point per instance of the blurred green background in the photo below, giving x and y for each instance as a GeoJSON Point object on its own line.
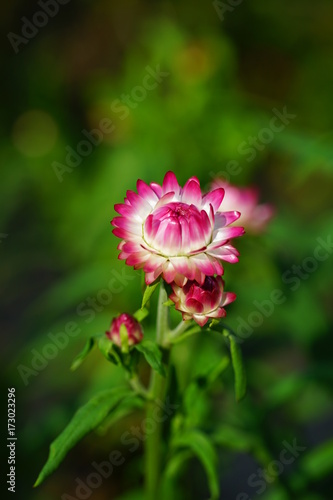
{"type": "Point", "coordinates": [223, 74]}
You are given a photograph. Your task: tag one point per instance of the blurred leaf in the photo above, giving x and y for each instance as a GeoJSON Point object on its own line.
{"type": "Point", "coordinates": [87, 418]}
{"type": "Point", "coordinates": [215, 371]}
{"type": "Point", "coordinates": [196, 405]}
{"type": "Point", "coordinates": [174, 467]}
{"type": "Point", "coordinates": [83, 354]}
{"type": "Point", "coordinates": [150, 289]}
{"type": "Point", "coordinates": [125, 407]}
{"type": "Point", "coordinates": [202, 448]}
{"type": "Point", "coordinates": [152, 354]}
{"type": "Point", "coordinates": [285, 389]}
{"type": "Point", "coordinates": [237, 363]}
{"type": "Point", "coordinates": [109, 350]}
{"type": "Point", "coordinates": [318, 463]}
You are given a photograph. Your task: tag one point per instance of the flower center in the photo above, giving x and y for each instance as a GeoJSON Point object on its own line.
{"type": "Point", "coordinates": [177, 229]}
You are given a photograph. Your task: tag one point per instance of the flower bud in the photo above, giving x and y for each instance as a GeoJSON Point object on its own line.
{"type": "Point", "coordinates": [125, 331]}
{"type": "Point", "coordinates": [201, 302]}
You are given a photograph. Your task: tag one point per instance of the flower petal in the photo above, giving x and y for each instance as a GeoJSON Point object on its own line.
{"type": "Point", "coordinates": [192, 193]}
{"type": "Point", "coordinates": [170, 183]}
{"type": "Point", "coordinates": [213, 198]}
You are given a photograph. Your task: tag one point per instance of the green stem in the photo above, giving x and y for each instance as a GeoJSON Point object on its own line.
{"type": "Point", "coordinates": [179, 330]}
{"type": "Point", "coordinates": [138, 387]}
{"type": "Point", "coordinates": [153, 457]}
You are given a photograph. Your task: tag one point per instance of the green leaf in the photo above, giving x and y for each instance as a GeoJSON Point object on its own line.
{"type": "Point", "coordinates": [109, 350]}
{"type": "Point", "coordinates": [319, 461]}
{"type": "Point", "coordinates": [150, 289]}
{"type": "Point", "coordinates": [87, 418]}
{"type": "Point", "coordinates": [169, 303]}
{"type": "Point", "coordinates": [173, 469]}
{"type": "Point", "coordinates": [141, 314]}
{"type": "Point", "coordinates": [125, 407]}
{"type": "Point", "coordinates": [215, 371]}
{"type": "Point", "coordinates": [236, 439]}
{"type": "Point", "coordinates": [153, 355]}
{"type": "Point", "coordinates": [196, 405]}
{"type": "Point", "coordinates": [202, 448]}
{"type": "Point", "coordinates": [83, 354]}
{"type": "Point", "coordinates": [237, 364]}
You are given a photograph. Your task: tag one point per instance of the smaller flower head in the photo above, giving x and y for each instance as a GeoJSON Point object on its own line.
{"type": "Point", "coordinates": [201, 302]}
{"type": "Point", "coordinates": [125, 329]}
{"type": "Point", "coordinates": [254, 217]}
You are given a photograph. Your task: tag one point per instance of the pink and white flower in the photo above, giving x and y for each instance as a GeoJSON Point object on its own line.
{"type": "Point", "coordinates": [175, 232]}
{"type": "Point", "coordinates": [130, 325]}
{"type": "Point", "coordinates": [201, 302]}
{"type": "Point", "coordinates": [254, 217]}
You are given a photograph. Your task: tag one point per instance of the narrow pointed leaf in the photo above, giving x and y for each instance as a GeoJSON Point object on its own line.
{"type": "Point", "coordinates": [202, 448]}
{"type": "Point", "coordinates": [153, 355]}
{"type": "Point", "coordinates": [109, 350]}
{"type": "Point", "coordinates": [125, 407]}
{"type": "Point", "coordinates": [83, 354]}
{"type": "Point", "coordinates": [87, 418]}
{"type": "Point", "coordinates": [238, 367]}
{"type": "Point", "coordinates": [150, 289]}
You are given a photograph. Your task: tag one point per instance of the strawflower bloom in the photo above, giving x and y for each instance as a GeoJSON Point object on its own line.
{"type": "Point", "coordinates": [254, 217]}
{"type": "Point", "coordinates": [175, 232]}
{"type": "Point", "coordinates": [126, 323]}
{"type": "Point", "coordinates": [201, 302]}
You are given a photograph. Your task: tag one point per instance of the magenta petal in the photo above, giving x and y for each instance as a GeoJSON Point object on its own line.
{"type": "Point", "coordinates": [169, 272]}
{"type": "Point", "coordinates": [151, 227]}
{"type": "Point", "coordinates": [214, 198]}
{"type": "Point", "coordinates": [121, 233]}
{"type": "Point", "coordinates": [156, 188]}
{"type": "Point", "coordinates": [138, 203]}
{"type": "Point", "coordinates": [147, 192]}
{"type": "Point", "coordinates": [197, 235]}
{"type": "Point", "coordinates": [192, 193]}
{"type": "Point", "coordinates": [192, 305]}
{"type": "Point", "coordinates": [185, 232]}
{"type": "Point", "coordinates": [130, 225]}
{"type": "Point", "coordinates": [172, 237]}
{"type": "Point", "coordinates": [204, 264]}
{"type": "Point", "coordinates": [206, 227]}
{"type": "Point", "coordinates": [200, 319]}
{"type": "Point", "coordinates": [170, 183]}
{"type": "Point", "coordinates": [228, 297]}
{"type": "Point", "coordinates": [225, 218]}
{"type": "Point", "coordinates": [136, 259]}
{"type": "Point", "coordinates": [226, 233]}
{"type": "Point", "coordinates": [166, 198]}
